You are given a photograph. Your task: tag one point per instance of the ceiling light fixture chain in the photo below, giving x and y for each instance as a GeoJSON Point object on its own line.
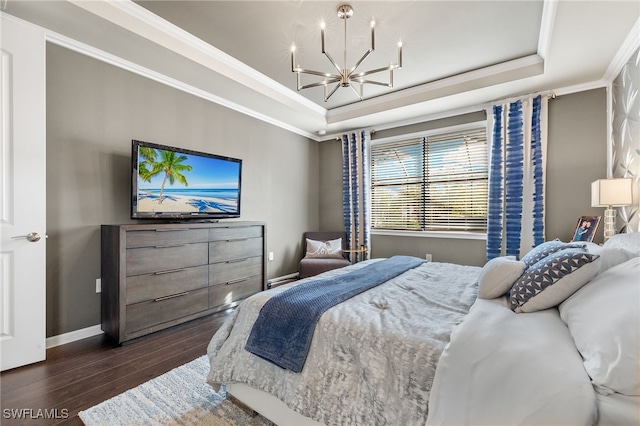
{"type": "Point", "coordinates": [345, 76]}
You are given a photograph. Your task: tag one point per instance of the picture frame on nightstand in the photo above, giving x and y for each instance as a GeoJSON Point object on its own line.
{"type": "Point", "coordinates": [586, 228]}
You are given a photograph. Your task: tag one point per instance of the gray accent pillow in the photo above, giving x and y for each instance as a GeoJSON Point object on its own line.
{"type": "Point", "coordinates": [629, 241]}
{"type": "Point", "coordinates": [610, 256]}
{"type": "Point", "coordinates": [543, 250]}
{"type": "Point", "coordinates": [551, 280]}
{"type": "Point", "coordinates": [331, 249]}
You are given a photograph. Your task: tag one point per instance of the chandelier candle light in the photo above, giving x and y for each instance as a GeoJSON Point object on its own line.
{"type": "Point", "coordinates": [345, 76]}
{"type": "Point", "coordinates": [611, 193]}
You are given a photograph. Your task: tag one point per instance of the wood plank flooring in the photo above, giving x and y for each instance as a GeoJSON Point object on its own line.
{"type": "Point", "coordinates": [81, 374]}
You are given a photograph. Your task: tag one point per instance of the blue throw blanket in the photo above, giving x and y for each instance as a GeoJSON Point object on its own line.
{"type": "Point", "coordinates": [284, 328]}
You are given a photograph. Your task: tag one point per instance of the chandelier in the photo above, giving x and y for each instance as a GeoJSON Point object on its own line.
{"type": "Point", "coordinates": [345, 77]}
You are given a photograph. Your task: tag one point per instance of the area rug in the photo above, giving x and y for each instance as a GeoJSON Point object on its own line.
{"type": "Point", "coordinates": [179, 397]}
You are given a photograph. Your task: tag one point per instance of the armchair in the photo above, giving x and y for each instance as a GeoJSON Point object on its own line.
{"type": "Point", "coordinates": [310, 266]}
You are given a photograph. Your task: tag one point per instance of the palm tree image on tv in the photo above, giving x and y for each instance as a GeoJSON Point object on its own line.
{"type": "Point", "coordinates": [170, 163]}
{"type": "Point", "coordinates": [177, 183]}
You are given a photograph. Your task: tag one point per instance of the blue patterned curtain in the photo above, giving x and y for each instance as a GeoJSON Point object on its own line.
{"type": "Point", "coordinates": [515, 220]}
{"type": "Point", "coordinates": [356, 192]}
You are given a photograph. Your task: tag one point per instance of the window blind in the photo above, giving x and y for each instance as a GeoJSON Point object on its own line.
{"type": "Point", "coordinates": [436, 183]}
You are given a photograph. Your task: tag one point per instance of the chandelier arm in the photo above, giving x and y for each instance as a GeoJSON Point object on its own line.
{"type": "Point", "coordinates": [368, 52]}
{"type": "Point", "coordinates": [318, 73]}
{"type": "Point", "coordinates": [361, 60]}
{"type": "Point", "coordinates": [335, 64]}
{"type": "Point", "coordinates": [359, 94]}
{"type": "Point", "coordinates": [326, 97]}
{"type": "Point", "coordinates": [378, 83]}
{"type": "Point", "coordinates": [375, 71]}
{"type": "Point", "coordinates": [320, 83]}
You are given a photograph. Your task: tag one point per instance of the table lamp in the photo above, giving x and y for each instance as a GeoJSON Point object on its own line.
{"type": "Point", "coordinates": [610, 193]}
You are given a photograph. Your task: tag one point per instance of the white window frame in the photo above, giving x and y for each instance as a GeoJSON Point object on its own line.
{"type": "Point", "coordinates": [431, 234]}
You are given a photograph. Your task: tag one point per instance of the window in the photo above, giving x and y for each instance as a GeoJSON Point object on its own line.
{"type": "Point", "coordinates": [435, 183]}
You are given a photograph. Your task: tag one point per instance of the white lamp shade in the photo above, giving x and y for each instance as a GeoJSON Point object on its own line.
{"type": "Point", "coordinates": [611, 192]}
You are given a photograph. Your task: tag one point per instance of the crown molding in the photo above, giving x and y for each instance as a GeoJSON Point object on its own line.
{"type": "Point", "coordinates": [592, 85]}
{"type": "Point", "coordinates": [630, 45]}
{"type": "Point", "coordinates": [124, 64]}
{"type": "Point", "coordinates": [494, 74]}
{"type": "Point", "coordinates": [131, 16]}
{"type": "Point", "coordinates": [549, 9]}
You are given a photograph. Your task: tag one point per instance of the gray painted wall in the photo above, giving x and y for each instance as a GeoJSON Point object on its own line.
{"type": "Point", "coordinates": [577, 155]}
{"type": "Point", "coordinates": [290, 182]}
{"type": "Point", "coordinates": [93, 112]}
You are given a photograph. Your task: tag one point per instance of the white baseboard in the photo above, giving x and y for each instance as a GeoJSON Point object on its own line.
{"type": "Point", "coordinates": [72, 336]}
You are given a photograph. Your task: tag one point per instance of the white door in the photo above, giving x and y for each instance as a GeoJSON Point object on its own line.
{"type": "Point", "coordinates": [22, 194]}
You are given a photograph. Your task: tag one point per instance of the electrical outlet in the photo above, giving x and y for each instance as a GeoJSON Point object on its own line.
{"type": "Point", "coordinates": [270, 256]}
{"type": "Point", "coordinates": [428, 257]}
{"type": "Point", "coordinates": [98, 285]}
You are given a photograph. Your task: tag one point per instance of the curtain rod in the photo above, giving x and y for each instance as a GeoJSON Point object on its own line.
{"type": "Point", "coordinates": [549, 94]}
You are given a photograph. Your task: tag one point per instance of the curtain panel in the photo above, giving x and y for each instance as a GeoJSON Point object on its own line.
{"type": "Point", "coordinates": [356, 189]}
{"type": "Point", "coordinates": [517, 161]}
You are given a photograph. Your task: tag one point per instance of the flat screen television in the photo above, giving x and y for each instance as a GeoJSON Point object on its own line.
{"type": "Point", "coordinates": [180, 184]}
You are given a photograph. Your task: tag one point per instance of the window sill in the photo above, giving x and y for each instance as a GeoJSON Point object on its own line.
{"type": "Point", "coordinates": [460, 235]}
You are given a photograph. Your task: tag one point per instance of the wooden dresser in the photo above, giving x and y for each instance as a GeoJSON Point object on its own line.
{"type": "Point", "coordinates": [155, 276]}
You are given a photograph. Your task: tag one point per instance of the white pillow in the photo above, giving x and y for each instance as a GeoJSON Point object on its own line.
{"type": "Point", "coordinates": [610, 256]}
{"type": "Point", "coordinates": [629, 241]}
{"type": "Point", "coordinates": [498, 275]}
{"type": "Point", "coordinates": [331, 249]}
{"type": "Point", "coordinates": [551, 280]}
{"type": "Point", "coordinates": [604, 320]}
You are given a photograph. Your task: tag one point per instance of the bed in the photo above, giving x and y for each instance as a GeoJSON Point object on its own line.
{"type": "Point", "coordinates": [442, 344]}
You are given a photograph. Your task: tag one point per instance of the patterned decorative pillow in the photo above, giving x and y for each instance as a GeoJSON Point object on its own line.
{"type": "Point", "coordinates": [545, 249]}
{"type": "Point", "coordinates": [324, 249]}
{"type": "Point", "coordinates": [551, 280]}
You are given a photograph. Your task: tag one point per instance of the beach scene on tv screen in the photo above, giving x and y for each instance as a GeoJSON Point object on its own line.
{"type": "Point", "coordinates": [173, 182]}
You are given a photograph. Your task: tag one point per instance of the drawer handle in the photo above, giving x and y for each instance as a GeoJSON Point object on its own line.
{"type": "Point", "coordinates": [236, 239]}
{"type": "Point", "coordinates": [169, 245]}
{"type": "Point", "coordinates": [172, 229]}
{"type": "Point", "coordinates": [169, 271]}
{"type": "Point", "coordinates": [236, 260]}
{"type": "Point", "coordinates": [159, 299]}
{"type": "Point", "coordinates": [239, 280]}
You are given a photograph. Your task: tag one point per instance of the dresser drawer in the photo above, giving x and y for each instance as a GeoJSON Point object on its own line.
{"type": "Point", "coordinates": [224, 250]}
{"type": "Point", "coordinates": [222, 294]}
{"type": "Point", "coordinates": [233, 233]}
{"type": "Point", "coordinates": [151, 313]}
{"type": "Point", "coordinates": [165, 258]}
{"type": "Point", "coordinates": [151, 286]}
{"type": "Point", "coordinates": [166, 237]}
{"type": "Point", "coordinates": [224, 272]}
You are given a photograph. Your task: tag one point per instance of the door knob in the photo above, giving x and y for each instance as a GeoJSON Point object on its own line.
{"type": "Point", "coordinates": [31, 237]}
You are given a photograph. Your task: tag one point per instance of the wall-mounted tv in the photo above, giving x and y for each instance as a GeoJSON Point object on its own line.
{"type": "Point", "coordinates": [180, 184]}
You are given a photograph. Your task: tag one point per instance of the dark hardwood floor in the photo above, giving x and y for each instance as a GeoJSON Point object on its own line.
{"type": "Point", "coordinates": [81, 374]}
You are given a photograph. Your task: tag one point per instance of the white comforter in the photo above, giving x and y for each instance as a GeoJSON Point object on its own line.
{"type": "Point", "coordinates": [372, 358]}
{"type": "Point", "coordinates": [505, 368]}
